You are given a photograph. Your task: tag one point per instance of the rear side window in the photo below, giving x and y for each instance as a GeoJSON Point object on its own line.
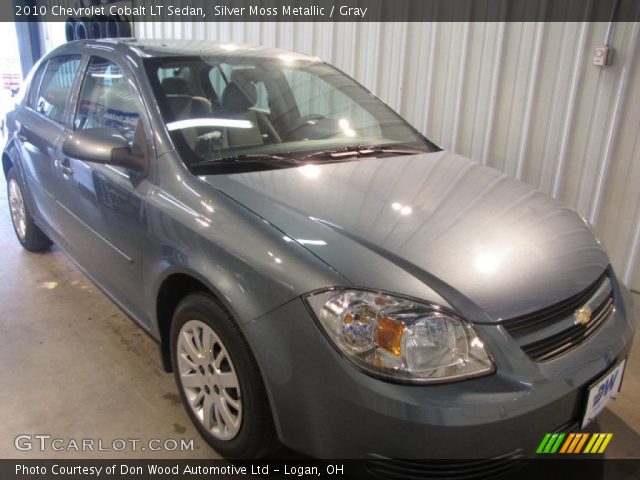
{"type": "Point", "coordinates": [107, 99]}
{"type": "Point", "coordinates": [55, 86]}
{"type": "Point", "coordinates": [34, 86]}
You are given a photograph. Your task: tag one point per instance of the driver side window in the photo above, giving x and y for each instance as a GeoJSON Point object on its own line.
{"type": "Point", "coordinates": [107, 100]}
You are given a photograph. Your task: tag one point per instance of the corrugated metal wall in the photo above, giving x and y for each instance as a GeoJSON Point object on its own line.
{"type": "Point", "coordinates": [521, 97]}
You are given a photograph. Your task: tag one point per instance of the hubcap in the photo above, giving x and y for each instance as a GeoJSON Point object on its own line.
{"type": "Point", "coordinates": [16, 205]}
{"type": "Point", "coordinates": [208, 379]}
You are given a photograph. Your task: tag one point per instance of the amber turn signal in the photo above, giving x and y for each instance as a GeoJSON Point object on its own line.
{"type": "Point", "coordinates": [389, 335]}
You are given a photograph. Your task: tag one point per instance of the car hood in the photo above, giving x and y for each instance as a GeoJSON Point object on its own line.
{"type": "Point", "coordinates": [486, 243]}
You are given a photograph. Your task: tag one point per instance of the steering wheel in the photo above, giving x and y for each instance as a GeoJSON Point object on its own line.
{"type": "Point", "coordinates": [304, 121]}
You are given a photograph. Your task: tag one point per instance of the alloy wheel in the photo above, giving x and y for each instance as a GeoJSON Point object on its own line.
{"type": "Point", "coordinates": [209, 380]}
{"type": "Point", "coordinates": [16, 205]}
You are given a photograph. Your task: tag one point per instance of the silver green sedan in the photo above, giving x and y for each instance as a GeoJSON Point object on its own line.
{"type": "Point", "coordinates": [316, 272]}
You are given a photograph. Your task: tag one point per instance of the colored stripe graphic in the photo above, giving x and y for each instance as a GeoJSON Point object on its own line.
{"type": "Point", "coordinates": [550, 443]}
{"type": "Point", "coordinates": [590, 444]}
{"type": "Point", "coordinates": [596, 446]}
{"type": "Point", "coordinates": [574, 443]}
{"type": "Point", "coordinates": [606, 441]}
{"type": "Point", "coordinates": [581, 443]}
{"type": "Point", "coordinates": [543, 443]}
{"type": "Point", "coordinates": [568, 442]}
{"type": "Point", "coordinates": [555, 447]}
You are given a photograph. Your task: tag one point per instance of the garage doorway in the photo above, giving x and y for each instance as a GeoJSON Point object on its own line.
{"type": "Point", "coordinates": [10, 68]}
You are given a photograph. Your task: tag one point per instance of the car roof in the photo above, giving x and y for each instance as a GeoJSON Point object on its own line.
{"type": "Point", "coordinates": [172, 48]}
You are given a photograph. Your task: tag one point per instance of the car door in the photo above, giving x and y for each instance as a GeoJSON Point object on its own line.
{"type": "Point", "coordinates": [40, 130]}
{"type": "Point", "coordinates": [106, 202]}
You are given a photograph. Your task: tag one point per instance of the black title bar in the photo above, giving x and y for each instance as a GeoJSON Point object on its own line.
{"type": "Point", "coordinates": [301, 468]}
{"type": "Point", "coordinates": [330, 10]}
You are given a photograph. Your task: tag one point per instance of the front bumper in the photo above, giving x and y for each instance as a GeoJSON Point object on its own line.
{"type": "Point", "coordinates": [325, 407]}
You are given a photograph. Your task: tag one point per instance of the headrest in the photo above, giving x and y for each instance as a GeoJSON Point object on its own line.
{"type": "Point", "coordinates": [245, 75]}
{"type": "Point", "coordinates": [185, 106]}
{"type": "Point", "coordinates": [180, 105]}
{"type": "Point", "coordinates": [200, 107]}
{"type": "Point", "coordinates": [238, 98]}
{"type": "Point", "coordinates": [175, 85]}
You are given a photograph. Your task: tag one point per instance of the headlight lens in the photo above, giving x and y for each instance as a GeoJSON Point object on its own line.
{"type": "Point", "coordinates": [399, 338]}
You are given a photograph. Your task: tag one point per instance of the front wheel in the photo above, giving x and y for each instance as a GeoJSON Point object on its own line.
{"type": "Point", "coordinates": [219, 381]}
{"type": "Point", "coordinates": [29, 234]}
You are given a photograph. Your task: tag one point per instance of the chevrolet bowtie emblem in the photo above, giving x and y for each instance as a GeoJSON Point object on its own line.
{"type": "Point", "coordinates": [582, 316]}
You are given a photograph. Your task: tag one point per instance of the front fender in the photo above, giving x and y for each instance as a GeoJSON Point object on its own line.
{"type": "Point", "coordinates": [12, 153]}
{"type": "Point", "coordinates": [251, 266]}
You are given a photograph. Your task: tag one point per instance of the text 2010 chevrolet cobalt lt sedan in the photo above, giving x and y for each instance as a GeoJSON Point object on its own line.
{"type": "Point", "coordinates": [317, 272]}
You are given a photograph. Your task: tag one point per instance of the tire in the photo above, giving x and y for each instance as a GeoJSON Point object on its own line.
{"type": "Point", "coordinates": [86, 28]}
{"type": "Point", "coordinates": [80, 29]}
{"type": "Point", "coordinates": [118, 27]}
{"type": "Point", "coordinates": [207, 365]}
{"type": "Point", "coordinates": [28, 233]}
{"type": "Point", "coordinates": [101, 22]}
{"type": "Point", "coordinates": [124, 28]}
{"type": "Point", "coordinates": [112, 26]}
{"type": "Point", "coordinates": [70, 29]}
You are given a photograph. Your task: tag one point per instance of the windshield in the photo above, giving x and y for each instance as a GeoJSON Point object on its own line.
{"type": "Point", "coordinates": [241, 109]}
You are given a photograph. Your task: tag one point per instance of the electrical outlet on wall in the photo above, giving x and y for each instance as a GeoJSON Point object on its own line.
{"type": "Point", "coordinates": [603, 56]}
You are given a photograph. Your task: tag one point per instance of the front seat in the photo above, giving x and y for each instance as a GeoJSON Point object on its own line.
{"type": "Point", "coordinates": [175, 86]}
{"type": "Point", "coordinates": [237, 102]}
{"type": "Point", "coordinates": [186, 107]}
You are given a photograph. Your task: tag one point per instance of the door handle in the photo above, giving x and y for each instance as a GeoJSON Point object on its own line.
{"type": "Point", "coordinates": [66, 170]}
{"type": "Point", "coordinates": [20, 134]}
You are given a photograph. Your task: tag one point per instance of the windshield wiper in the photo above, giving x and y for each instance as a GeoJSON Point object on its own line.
{"type": "Point", "coordinates": [260, 158]}
{"type": "Point", "coordinates": [335, 154]}
{"type": "Point", "coordinates": [361, 151]}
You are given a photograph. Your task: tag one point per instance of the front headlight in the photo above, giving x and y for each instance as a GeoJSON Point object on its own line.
{"type": "Point", "coordinates": [400, 339]}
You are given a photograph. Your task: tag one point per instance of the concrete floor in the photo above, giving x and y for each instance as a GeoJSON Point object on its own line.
{"type": "Point", "coordinates": [75, 367]}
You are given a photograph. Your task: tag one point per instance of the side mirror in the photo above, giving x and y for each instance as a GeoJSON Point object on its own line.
{"type": "Point", "coordinates": [102, 145]}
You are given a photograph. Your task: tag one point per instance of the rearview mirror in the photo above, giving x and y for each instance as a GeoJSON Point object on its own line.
{"type": "Point", "coordinates": [102, 145]}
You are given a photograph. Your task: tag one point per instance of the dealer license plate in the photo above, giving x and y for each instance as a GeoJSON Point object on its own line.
{"type": "Point", "coordinates": [602, 392]}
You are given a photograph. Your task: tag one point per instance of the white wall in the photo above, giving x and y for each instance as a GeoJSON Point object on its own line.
{"type": "Point", "coordinates": [521, 97]}
{"type": "Point", "coordinates": [52, 35]}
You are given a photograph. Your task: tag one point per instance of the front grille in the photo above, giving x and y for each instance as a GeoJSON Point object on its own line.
{"type": "Point", "coordinates": [396, 469]}
{"type": "Point", "coordinates": [551, 332]}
